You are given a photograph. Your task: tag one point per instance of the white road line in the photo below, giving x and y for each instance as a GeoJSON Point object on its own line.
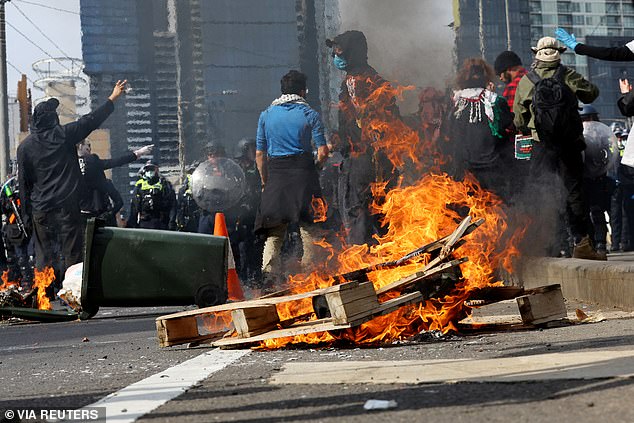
{"type": "Point", "coordinates": [140, 398]}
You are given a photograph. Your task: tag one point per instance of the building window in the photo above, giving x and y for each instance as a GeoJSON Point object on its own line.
{"type": "Point", "coordinates": [588, 7]}
{"type": "Point", "coordinates": [536, 20]}
{"type": "Point", "coordinates": [535, 7]}
{"type": "Point", "coordinates": [613, 20]}
{"type": "Point", "coordinates": [565, 19]}
{"type": "Point", "coordinates": [549, 19]}
{"type": "Point", "coordinates": [563, 7]}
{"type": "Point", "coordinates": [578, 20]}
{"type": "Point", "coordinates": [576, 7]}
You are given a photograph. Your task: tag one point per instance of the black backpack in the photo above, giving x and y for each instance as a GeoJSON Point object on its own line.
{"type": "Point", "coordinates": [555, 109]}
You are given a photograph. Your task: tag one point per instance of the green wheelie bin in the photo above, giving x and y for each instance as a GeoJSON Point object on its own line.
{"type": "Point", "coordinates": [146, 267]}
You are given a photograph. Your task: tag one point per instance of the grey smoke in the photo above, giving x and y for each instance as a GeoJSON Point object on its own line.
{"type": "Point", "coordinates": [409, 41]}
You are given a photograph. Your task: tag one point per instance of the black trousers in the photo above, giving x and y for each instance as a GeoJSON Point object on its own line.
{"type": "Point", "coordinates": [628, 208]}
{"type": "Point", "coordinates": [546, 165]}
{"type": "Point", "coordinates": [57, 231]}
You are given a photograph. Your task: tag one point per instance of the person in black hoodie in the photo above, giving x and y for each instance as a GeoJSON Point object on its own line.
{"type": "Point", "coordinates": [623, 53]}
{"type": "Point", "coordinates": [50, 179]}
{"type": "Point", "coordinates": [95, 198]}
{"type": "Point", "coordinates": [364, 161]}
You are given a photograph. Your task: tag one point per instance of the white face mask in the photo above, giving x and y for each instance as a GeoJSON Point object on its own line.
{"type": "Point", "coordinates": [149, 174]}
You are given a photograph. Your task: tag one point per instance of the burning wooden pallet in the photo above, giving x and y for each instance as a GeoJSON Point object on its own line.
{"type": "Point", "coordinates": [351, 302]}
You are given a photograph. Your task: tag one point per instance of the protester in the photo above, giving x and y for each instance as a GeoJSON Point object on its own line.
{"type": "Point", "coordinates": [615, 54]}
{"type": "Point", "coordinates": [290, 181]}
{"type": "Point", "coordinates": [95, 198]}
{"type": "Point", "coordinates": [477, 128]}
{"type": "Point", "coordinates": [598, 157]}
{"type": "Point", "coordinates": [153, 204]}
{"type": "Point", "coordinates": [50, 178]}
{"type": "Point", "coordinates": [363, 164]}
{"type": "Point", "coordinates": [508, 67]}
{"type": "Point", "coordinates": [557, 149]}
{"type": "Point", "coordinates": [625, 174]}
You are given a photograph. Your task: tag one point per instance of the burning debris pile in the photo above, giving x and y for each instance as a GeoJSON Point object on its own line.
{"type": "Point", "coordinates": [383, 293]}
{"type": "Point", "coordinates": [15, 294]}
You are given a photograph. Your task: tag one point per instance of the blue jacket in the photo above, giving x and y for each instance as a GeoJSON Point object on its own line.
{"type": "Point", "coordinates": [287, 129]}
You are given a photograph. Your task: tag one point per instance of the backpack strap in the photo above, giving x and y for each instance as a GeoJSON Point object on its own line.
{"type": "Point", "coordinates": [560, 73]}
{"type": "Point", "coordinates": [533, 77]}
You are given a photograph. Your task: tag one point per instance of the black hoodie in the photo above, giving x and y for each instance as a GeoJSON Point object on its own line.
{"type": "Point", "coordinates": [48, 169]}
{"type": "Point", "coordinates": [361, 81]}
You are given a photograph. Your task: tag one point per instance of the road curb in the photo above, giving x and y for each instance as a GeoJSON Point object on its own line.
{"type": "Point", "coordinates": [608, 283]}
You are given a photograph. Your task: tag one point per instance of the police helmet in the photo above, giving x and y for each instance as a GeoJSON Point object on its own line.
{"type": "Point", "coordinates": [243, 147]}
{"type": "Point", "coordinates": [214, 148]}
{"type": "Point", "coordinates": [617, 128]}
{"type": "Point", "coordinates": [149, 170]}
{"type": "Point", "coordinates": [587, 110]}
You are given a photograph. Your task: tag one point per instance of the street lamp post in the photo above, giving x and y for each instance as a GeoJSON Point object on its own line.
{"type": "Point", "coordinates": [4, 98]}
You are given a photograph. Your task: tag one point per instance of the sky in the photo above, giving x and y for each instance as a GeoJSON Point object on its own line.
{"type": "Point", "coordinates": [62, 27]}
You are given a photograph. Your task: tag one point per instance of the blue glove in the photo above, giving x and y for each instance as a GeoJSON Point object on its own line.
{"type": "Point", "coordinates": [569, 40]}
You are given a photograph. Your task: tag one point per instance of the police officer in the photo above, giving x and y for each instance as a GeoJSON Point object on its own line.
{"type": "Point", "coordinates": [187, 211]}
{"type": "Point", "coordinates": [15, 235]}
{"type": "Point", "coordinates": [598, 158]}
{"type": "Point", "coordinates": [153, 204]}
{"type": "Point", "coordinates": [249, 245]}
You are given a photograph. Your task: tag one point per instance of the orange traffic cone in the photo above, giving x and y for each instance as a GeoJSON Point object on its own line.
{"type": "Point", "coordinates": [233, 283]}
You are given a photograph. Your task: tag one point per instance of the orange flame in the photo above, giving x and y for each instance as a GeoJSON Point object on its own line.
{"type": "Point", "coordinates": [428, 209]}
{"type": "Point", "coordinates": [42, 280]}
{"type": "Point", "coordinates": [6, 283]}
{"type": "Point", "coordinates": [320, 209]}
{"type": "Point", "coordinates": [415, 216]}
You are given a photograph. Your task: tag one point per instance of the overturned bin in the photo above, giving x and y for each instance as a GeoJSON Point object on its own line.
{"type": "Point", "coordinates": [146, 267]}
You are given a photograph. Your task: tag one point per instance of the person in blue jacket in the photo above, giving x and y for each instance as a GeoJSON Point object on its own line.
{"type": "Point", "coordinates": [288, 132]}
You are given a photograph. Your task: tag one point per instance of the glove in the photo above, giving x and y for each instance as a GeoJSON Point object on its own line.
{"type": "Point", "coordinates": [569, 40]}
{"type": "Point", "coordinates": [144, 151]}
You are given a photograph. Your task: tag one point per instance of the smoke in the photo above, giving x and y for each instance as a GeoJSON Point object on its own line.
{"type": "Point", "coordinates": [410, 41]}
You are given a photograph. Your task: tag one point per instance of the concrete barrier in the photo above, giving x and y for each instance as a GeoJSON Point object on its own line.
{"type": "Point", "coordinates": [608, 283]}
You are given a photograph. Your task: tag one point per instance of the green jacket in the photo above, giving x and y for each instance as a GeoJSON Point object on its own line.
{"type": "Point", "coordinates": [585, 91]}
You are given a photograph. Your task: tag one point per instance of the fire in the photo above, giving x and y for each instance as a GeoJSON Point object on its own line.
{"type": "Point", "coordinates": [320, 209]}
{"type": "Point", "coordinates": [415, 216]}
{"type": "Point", "coordinates": [6, 283]}
{"type": "Point", "coordinates": [41, 281]}
{"type": "Point", "coordinates": [414, 213]}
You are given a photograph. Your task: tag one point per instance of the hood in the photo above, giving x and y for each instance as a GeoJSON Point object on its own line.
{"type": "Point", "coordinates": [45, 116]}
{"type": "Point", "coordinates": [354, 46]}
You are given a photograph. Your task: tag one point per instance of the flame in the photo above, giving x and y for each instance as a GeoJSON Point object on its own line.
{"type": "Point", "coordinates": [42, 280]}
{"type": "Point", "coordinates": [6, 283]}
{"type": "Point", "coordinates": [414, 211]}
{"type": "Point", "coordinates": [415, 216]}
{"type": "Point", "coordinates": [320, 209]}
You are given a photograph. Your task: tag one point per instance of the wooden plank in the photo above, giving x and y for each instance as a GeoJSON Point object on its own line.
{"type": "Point", "coordinates": [389, 306]}
{"type": "Point", "coordinates": [259, 302]}
{"type": "Point", "coordinates": [323, 325]}
{"type": "Point", "coordinates": [345, 305]}
{"type": "Point", "coordinates": [314, 326]}
{"type": "Point", "coordinates": [177, 331]}
{"type": "Point", "coordinates": [252, 321]}
{"type": "Point", "coordinates": [542, 307]}
{"type": "Point", "coordinates": [418, 276]}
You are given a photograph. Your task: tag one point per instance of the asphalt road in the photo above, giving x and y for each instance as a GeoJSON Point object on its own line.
{"type": "Point", "coordinates": [70, 365]}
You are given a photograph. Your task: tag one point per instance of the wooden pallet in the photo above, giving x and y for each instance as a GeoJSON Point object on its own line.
{"type": "Point", "coordinates": [349, 304]}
